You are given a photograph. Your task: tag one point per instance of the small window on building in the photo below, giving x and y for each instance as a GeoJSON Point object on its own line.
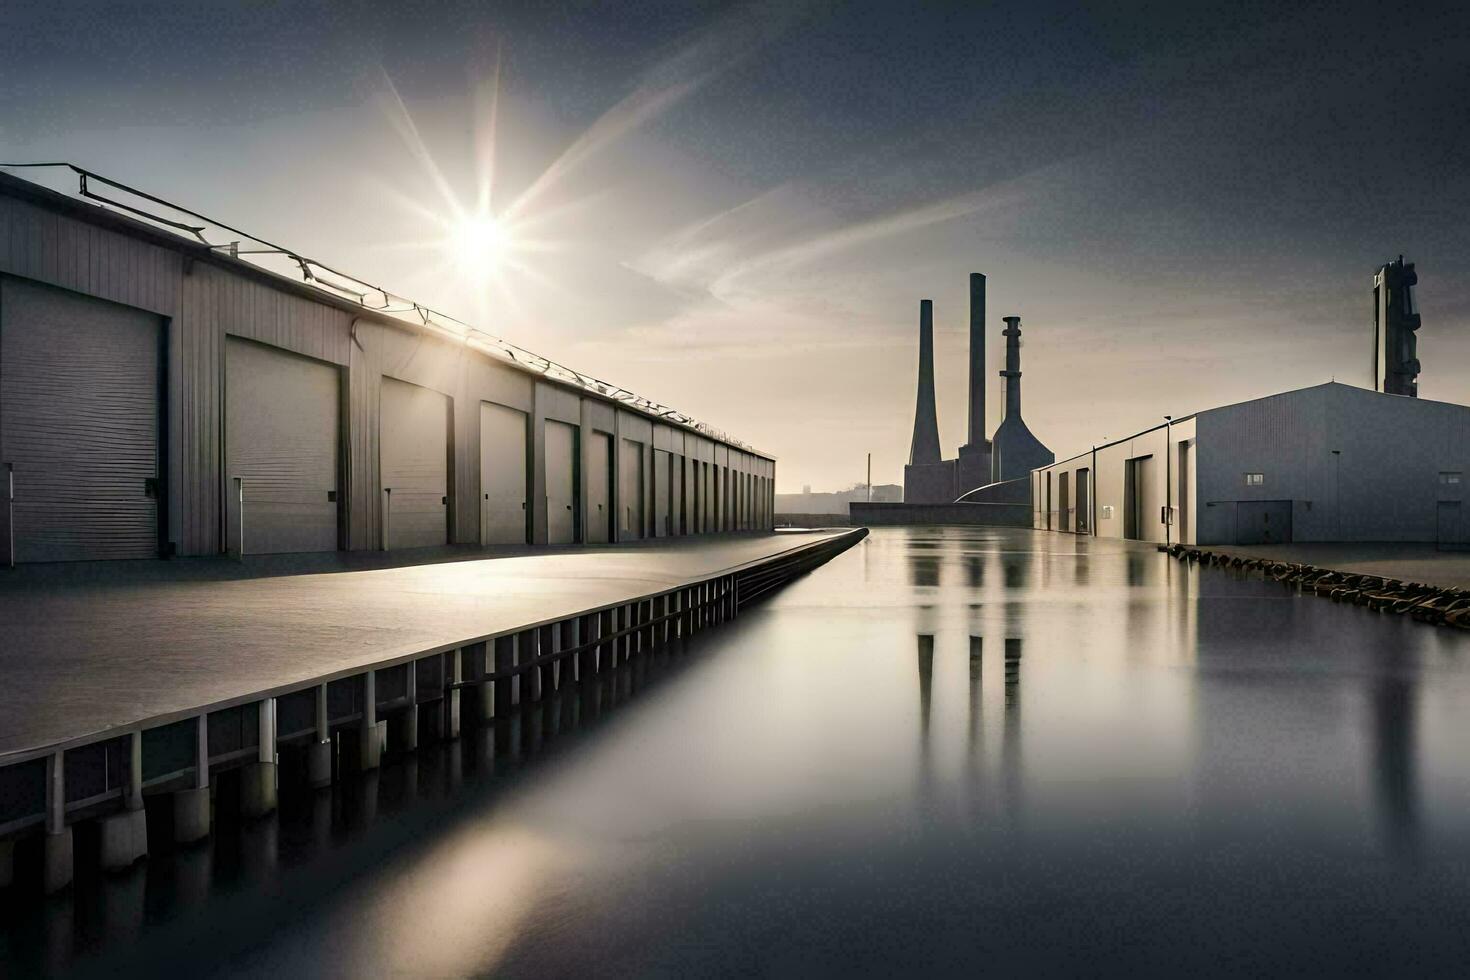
{"type": "Point", "coordinates": [1107, 511]}
{"type": "Point", "coordinates": [1449, 477]}
{"type": "Point", "coordinates": [1255, 479]}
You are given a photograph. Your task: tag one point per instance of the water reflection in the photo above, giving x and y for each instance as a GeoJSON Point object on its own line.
{"type": "Point", "coordinates": [1211, 773]}
{"type": "Point", "coordinates": [1393, 700]}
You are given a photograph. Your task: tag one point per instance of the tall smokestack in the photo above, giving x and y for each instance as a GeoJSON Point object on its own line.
{"type": "Point", "coordinates": [925, 446]}
{"type": "Point", "coordinates": [1016, 451]}
{"type": "Point", "coordinates": [1012, 373]}
{"type": "Point", "coordinates": [977, 359]}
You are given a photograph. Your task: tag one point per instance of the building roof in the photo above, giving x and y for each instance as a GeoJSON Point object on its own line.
{"type": "Point", "coordinates": [425, 320]}
{"type": "Point", "coordinates": [1334, 384]}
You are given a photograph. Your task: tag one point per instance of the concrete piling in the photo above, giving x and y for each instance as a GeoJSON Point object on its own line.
{"type": "Point", "coordinates": [258, 779]}
{"type": "Point", "coordinates": [192, 806]}
{"type": "Point", "coordinates": [57, 860]}
{"type": "Point", "coordinates": [370, 734]}
{"type": "Point", "coordinates": [451, 697]}
{"type": "Point", "coordinates": [485, 692]}
{"type": "Point", "coordinates": [125, 834]}
{"type": "Point", "coordinates": [319, 752]}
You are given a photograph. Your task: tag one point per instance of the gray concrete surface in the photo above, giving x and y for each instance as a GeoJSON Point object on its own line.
{"type": "Point", "coordinates": [87, 648]}
{"type": "Point", "coordinates": [1406, 562]}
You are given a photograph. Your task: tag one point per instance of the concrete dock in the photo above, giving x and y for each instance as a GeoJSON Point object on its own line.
{"type": "Point", "coordinates": [130, 678]}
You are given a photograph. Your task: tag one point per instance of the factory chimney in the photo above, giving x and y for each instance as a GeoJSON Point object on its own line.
{"type": "Point", "coordinates": [977, 359]}
{"type": "Point", "coordinates": [1012, 372]}
{"type": "Point", "coordinates": [1016, 451]}
{"type": "Point", "coordinates": [974, 463]}
{"type": "Point", "coordinates": [925, 445]}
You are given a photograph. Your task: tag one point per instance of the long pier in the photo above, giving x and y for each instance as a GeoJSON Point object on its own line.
{"type": "Point", "coordinates": [130, 683]}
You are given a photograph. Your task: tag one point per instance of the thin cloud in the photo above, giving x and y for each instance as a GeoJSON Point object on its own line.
{"type": "Point", "coordinates": [713, 52]}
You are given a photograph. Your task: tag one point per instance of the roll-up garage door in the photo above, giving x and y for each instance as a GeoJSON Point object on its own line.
{"type": "Point", "coordinates": [599, 489]}
{"type": "Point", "coordinates": [561, 483]}
{"type": "Point", "coordinates": [413, 464]}
{"type": "Point", "coordinates": [503, 482]}
{"type": "Point", "coordinates": [79, 393]}
{"type": "Point", "coordinates": [281, 436]}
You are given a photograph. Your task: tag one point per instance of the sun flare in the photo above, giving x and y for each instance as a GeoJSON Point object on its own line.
{"type": "Point", "coordinates": [478, 244]}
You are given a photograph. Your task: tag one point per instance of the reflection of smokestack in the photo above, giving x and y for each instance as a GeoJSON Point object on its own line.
{"type": "Point", "coordinates": [977, 359]}
{"type": "Point", "coordinates": [926, 678]}
{"type": "Point", "coordinates": [925, 447]}
{"type": "Point", "coordinates": [1012, 373]}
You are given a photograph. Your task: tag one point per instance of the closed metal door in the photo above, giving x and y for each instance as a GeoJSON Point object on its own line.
{"type": "Point", "coordinates": [79, 395]}
{"type": "Point", "coordinates": [1064, 502]}
{"type": "Point", "coordinates": [503, 483]}
{"type": "Point", "coordinates": [561, 483]}
{"type": "Point", "coordinates": [281, 437]}
{"type": "Point", "coordinates": [1263, 522]}
{"type": "Point", "coordinates": [599, 489]}
{"type": "Point", "coordinates": [630, 490]}
{"type": "Point", "coordinates": [1084, 501]}
{"type": "Point", "coordinates": [662, 523]}
{"type": "Point", "coordinates": [676, 494]}
{"type": "Point", "coordinates": [1450, 528]}
{"type": "Point", "coordinates": [413, 465]}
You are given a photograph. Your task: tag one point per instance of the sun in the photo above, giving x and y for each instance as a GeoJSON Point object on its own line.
{"type": "Point", "coordinates": [478, 244]}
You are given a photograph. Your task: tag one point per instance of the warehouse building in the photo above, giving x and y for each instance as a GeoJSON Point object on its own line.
{"type": "Point", "coordinates": [162, 397]}
{"type": "Point", "coordinates": [1327, 463]}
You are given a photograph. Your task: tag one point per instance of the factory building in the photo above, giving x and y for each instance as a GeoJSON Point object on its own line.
{"type": "Point", "coordinates": [985, 470]}
{"type": "Point", "coordinates": [1327, 463]}
{"type": "Point", "coordinates": [161, 397]}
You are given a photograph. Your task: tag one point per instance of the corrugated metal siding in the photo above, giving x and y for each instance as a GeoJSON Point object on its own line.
{"type": "Point", "coordinates": [282, 440]}
{"type": "Point", "coordinates": [210, 301]}
{"type": "Point", "coordinates": [79, 382]}
{"type": "Point", "coordinates": [414, 464]}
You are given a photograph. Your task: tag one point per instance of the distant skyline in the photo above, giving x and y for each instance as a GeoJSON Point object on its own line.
{"type": "Point", "coordinates": [735, 209]}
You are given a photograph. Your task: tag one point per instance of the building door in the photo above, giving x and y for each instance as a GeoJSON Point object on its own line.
{"type": "Point", "coordinates": [630, 488]}
{"type": "Point", "coordinates": [1185, 491]}
{"type": "Point", "coordinates": [413, 465]}
{"type": "Point", "coordinates": [561, 483]}
{"type": "Point", "coordinates": [1450, 527]}
{"type": "Point", "coordinates": [599, 489]}
{"type": "Point", "coordinates": [1263, 522]}
{"type": "Point", "coordinates": [696, 524]}
{"type": "Point", "coordinates": [282, 432]}
{"type": "Point", "coordinates": [79, 427]}
{"type": "Point", "coordinates": [1139, 498]}
{"type": "Point", "coordinates": [676, 494]}
{"type": "Point", "coordinates": [503, 484]}
{"type": "Point", "coordinates": [662, 521]}
{"type": "Point", "coordinates": [1064, 503]}
{"type": "Point", "coordinates": [1084, 501]}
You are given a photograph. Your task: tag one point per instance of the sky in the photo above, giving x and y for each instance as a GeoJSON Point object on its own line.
{"type": "Point", "coordinates": [735, 208]}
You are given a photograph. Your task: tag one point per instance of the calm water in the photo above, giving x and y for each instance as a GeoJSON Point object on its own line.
{"type": "Point", "coordinates": [1184, 770]}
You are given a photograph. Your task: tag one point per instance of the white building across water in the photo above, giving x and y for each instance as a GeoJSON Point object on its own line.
{"type": "Point", "coordinates": [1326, 463]}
